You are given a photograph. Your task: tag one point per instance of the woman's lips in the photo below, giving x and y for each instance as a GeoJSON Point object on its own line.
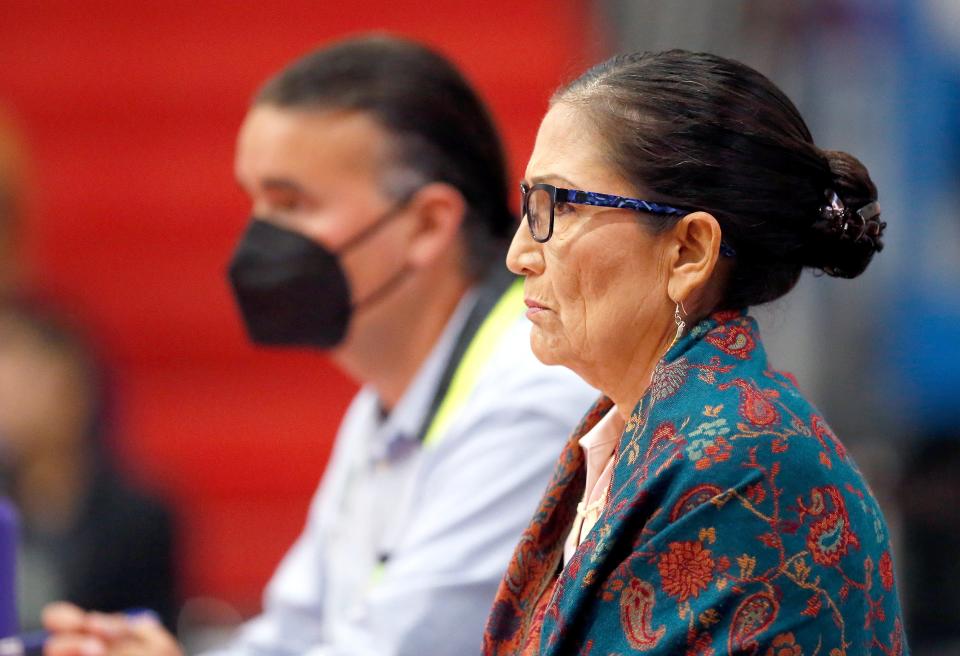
{"type": "Point", "coordinates": [534, 307]}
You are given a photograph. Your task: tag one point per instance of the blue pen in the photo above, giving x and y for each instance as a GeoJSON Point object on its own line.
{"type": "Point", "coordinates": [31, 643]}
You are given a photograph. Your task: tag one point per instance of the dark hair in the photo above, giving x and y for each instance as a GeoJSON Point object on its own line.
{"type": "Point", "coordinates": [441, 129]}
{"type": "Point", "coordinates": [705, 132]}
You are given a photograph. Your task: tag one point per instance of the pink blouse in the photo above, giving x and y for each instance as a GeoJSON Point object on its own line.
{"type": "Point", "coordinates": [599, 446]}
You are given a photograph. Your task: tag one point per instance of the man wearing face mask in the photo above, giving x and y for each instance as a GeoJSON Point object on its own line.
{"type": "Point", "coordinates": [380, 226]}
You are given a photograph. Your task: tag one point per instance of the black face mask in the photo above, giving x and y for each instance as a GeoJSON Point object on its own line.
{"type": "Point", "coordinates": [293, 291]}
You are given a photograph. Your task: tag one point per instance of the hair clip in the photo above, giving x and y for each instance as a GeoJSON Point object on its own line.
{"type": "Point", "coordinates": [853, 225]}
{"type": "Point", "coordinates": [834, 210]}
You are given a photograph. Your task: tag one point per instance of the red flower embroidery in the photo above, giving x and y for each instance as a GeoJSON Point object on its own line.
{"type": "Point", "coordinates": [886, 570]}
{"type": "Point", "coordinates": [701, 646]}
{"type": "Point", "coordinates": [784, 644]}
{"type": "Point", "coordinates": [685, 570]}
{"type": "Point", "coordinates": [717, 452]}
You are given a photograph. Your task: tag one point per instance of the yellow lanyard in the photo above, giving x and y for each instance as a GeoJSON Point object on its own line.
{"type": "Point", "coordinates": [501, 317]}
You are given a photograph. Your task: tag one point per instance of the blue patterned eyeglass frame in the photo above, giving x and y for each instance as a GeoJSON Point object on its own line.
{"type": "Point", "coordinates": [578, 197]}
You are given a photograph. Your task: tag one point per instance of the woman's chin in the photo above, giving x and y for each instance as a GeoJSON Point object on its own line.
{"type": "Point", "coordinates": [545, 348]}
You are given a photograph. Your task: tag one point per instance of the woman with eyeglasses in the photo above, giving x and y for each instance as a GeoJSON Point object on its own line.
{"type": "Point", "coordinates": [703, 506]}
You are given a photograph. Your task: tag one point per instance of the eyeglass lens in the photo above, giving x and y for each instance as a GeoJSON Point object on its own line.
{"type": "Point", "coordinates": [539, 206]}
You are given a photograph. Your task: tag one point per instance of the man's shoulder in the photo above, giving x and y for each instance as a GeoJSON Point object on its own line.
{"type": "Point", "coordinates": [513, 388]}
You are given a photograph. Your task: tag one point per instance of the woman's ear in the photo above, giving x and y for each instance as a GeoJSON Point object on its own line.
{"type": "Point", "coordinates": [695, 250]}
{"type": "Point", "coordinates": [440, 209]}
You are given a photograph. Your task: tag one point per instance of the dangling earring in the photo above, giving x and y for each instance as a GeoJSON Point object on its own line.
{"type": "Point", "coordinates": [678, 318]}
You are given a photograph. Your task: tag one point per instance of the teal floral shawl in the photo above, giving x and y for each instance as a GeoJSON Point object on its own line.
{"type": "Point", "coordinates": [736, 524]}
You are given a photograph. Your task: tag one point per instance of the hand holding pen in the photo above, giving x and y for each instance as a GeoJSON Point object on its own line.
{"type": "Point", "coordinates": [75, 632]}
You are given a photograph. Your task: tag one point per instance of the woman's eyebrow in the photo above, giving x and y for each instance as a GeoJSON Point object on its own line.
{"type": "Point", "coordinates": [552, 177]}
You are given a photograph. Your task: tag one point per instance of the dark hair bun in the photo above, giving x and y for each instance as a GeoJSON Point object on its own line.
{"type": "Point", "coordinates": [700, 131]}
{"type": "Point", "coordinates": [848, 230]}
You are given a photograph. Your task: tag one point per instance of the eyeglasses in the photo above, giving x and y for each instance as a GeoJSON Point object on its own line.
{"type": "Point", "coordinates": [539, 202]}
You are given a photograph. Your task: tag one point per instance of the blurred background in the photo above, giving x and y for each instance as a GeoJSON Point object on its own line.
{"type": "Point", "coordinates": [118, 213]}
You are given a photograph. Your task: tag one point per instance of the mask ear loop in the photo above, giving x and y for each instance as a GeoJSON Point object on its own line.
{"type": "Point", "coordinates": [382, 290]}
{"type": "Point", "coordinates": [367, 232]}
{"type": "Point", "coordinates": [396, 278]}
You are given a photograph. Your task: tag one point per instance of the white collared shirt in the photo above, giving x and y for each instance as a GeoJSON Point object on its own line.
{"type": "Point", "coordinates": [445, 517]}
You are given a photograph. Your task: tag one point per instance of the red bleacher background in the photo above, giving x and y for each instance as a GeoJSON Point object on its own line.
{"type": "Point", "coordinates": [130, 109]}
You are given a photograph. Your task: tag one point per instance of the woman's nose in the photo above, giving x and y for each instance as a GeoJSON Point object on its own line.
{"type": "Point", "coordinates": [525, 256]}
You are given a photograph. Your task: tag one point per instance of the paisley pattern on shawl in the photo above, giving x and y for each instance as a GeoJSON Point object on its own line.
{"type": "Point", "coordinates": [736, 524]}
